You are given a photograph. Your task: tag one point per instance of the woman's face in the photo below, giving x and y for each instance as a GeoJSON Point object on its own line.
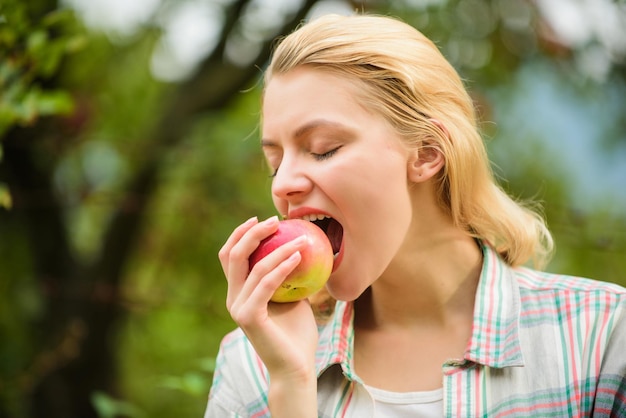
{"type": "Point", "coordinates": [333, 157]}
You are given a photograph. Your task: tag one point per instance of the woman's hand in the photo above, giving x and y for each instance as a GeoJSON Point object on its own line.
{"type": "Point", "coordinates": [283, 334]}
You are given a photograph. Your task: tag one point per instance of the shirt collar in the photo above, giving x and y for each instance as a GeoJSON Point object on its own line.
{"type": "Point", "coordinates": [495, 334]}
{"type": "Point", "coordinates": [336, 341]}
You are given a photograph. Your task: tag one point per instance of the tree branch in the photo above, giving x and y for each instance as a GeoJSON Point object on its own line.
{"type": "Point", "coordinates": [209, 89]}
{"type": "Point", "coordinates": [233, 16]}
{"type": "Point", "coordinates": [217, 81]}
{"type": "Point", "coordinates": [37, 207]}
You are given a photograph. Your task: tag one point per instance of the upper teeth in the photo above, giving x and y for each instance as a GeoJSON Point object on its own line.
{"type": "Point", "coordinates": [314, 217]}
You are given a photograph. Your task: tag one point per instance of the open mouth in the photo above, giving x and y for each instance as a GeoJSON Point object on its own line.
{"type": "Point", "coordinates": [333, 230]}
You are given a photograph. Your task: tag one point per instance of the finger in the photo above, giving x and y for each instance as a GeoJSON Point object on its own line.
{"type": "Point", "coordinates": [270, 282]}
{"type": "Point", "coordinates": [239, 254]}
{"type": "Point", "coordinates": [269, 265]}
{"type": "Point", "coordinates": [250, 309]}
{"type": "Point", "coordinates": [271, 261]}
{"type": "Point", "coordinates": [243, 241]}
{"type": "Point", "coordinates": [236, 266]}
{"type": "Point", "coordinates": [234, 237]}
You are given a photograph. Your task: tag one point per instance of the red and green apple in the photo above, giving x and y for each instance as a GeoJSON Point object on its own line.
{"type": "Point", "coordinates": [314, 269]}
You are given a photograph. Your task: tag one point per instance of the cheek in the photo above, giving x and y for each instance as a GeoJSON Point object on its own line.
{"type": "Point", "coordinates": [378, 182]}
{"type": "Point", "coordinates": [370, 186]}
{"type": "Point", "coordinates": [381, 208]}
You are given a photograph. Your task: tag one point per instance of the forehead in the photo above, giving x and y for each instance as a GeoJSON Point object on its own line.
{"type": "Point", "coordinates": [309, 82]}
{"type": "Point", "coordinates": [308, 93]}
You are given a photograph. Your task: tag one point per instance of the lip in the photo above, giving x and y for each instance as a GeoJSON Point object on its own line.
{"type": "Point", "coordinates": [339, 257]}
{"type": "Point", "coordinates": [305, 210]}
{"type": "Point", "coordinates": [300, 212]}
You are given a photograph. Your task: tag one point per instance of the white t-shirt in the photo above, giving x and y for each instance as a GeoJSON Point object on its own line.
{"type": "Point", "coordinates": [427, 404]}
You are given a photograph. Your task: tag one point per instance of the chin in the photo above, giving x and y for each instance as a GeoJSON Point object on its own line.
{"type": "Point", "coordinates": [344, 288]}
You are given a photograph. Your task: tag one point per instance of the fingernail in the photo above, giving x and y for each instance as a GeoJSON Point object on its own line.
{"type": "Point", "coordinates": [251, 220]}
{"type": "Point", "coordinates": [271, 221]}
{"type": "Point", "coordinates": [295, 256]}
{"type": "Point", "coordinates": [300, 240]}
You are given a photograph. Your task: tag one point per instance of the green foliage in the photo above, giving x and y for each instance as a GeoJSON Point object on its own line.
{"type": "Point", "coordinates": [109, 407]}
{"type": "Point", "coordinates": [210, 177]}
{"type": "Point", "coordinates": [192, 383]}
{"type": "Point", "coordinates": [211, 183]}
{"type": "Point", "coordinates": [32, 48]}
{"type": "Point", "coordinates": [31, 51]}
{"type": "Point", "coordinates": [20, 307]}
{"type": "Point", "coordinates": [118, 104]}
{"type": "Point", "coordinates": [5, 197]}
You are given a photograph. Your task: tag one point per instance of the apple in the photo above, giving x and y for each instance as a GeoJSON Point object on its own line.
{"type": "Point", "coordinates": [314, 269]}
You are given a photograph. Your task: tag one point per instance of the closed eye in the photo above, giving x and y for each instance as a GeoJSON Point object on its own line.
{"type": "Point", "coordinates": [326, 155]}
{"type": "Point", "coordinates": [318, 157]}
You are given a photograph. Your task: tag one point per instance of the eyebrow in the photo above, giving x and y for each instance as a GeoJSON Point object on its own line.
{"type": "Point", "coordinates": [316, 124]}
{"type": "Point", "coordinates": [308, 127]}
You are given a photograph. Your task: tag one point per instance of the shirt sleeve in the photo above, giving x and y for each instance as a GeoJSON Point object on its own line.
{"type": "Point", "coordinates": [239, 387]}
{"type": "Point", "coordinates": [215, 410]}
{"type": "Point", "coordinates": [222, 397]}
{"type": "Point", "coordinates": [611, 390]}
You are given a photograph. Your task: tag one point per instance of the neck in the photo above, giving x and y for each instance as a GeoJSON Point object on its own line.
{"type": "Point", "coordinates": [430, 283]}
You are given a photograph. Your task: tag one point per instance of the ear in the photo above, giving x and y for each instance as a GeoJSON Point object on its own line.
{"type": "Point", "coordinates": [427, 161]}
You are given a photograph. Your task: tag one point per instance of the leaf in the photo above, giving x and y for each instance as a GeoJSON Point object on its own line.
{"type": "Point", "coordinates": [104, 405]}
{"type": "Point", "coordinates": [208, 364]}
{"type": "Point", "coordinates": [109, 407]}
{"type": "Point", "coordinates": [55, 102]}
{"type": "Point", "coordinates": [5, 197]}
{"type": "Point", "coordinates": [36, 42]}
{"type": "Point", "coordinates": [191, 383]}
{"type": "Point", "coordinates": [195, 383]}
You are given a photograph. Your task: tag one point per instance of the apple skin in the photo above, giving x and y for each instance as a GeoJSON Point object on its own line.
{"type": "Point", "coordinates": [315, 266]}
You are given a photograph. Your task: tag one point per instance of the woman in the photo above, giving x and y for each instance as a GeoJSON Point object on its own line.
{"type": "Point", "coordinates": [364, 121]}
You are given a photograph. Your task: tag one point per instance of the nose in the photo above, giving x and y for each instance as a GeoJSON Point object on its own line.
{"type": "Point", "coordinates": [291, 181]}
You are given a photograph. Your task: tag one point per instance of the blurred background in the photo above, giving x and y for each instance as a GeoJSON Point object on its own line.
{"type": "Point", "coordinates": [128, 135]}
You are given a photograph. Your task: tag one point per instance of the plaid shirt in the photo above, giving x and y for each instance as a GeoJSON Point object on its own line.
{"type": "Point", "coordinates": [542, 345]}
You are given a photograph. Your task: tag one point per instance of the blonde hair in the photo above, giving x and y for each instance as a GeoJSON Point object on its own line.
{"type": "Point", "coordinates": [404, 77]}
